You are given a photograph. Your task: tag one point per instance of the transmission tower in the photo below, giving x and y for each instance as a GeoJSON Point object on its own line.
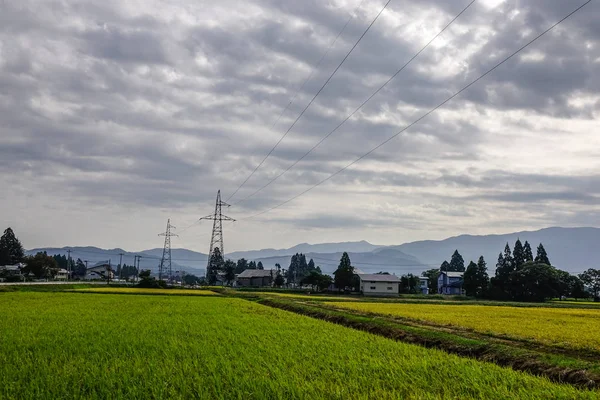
{"type": "Point", "coordinates": [165, 261]}
{"type": "Point", "coordinates": [216, 240]}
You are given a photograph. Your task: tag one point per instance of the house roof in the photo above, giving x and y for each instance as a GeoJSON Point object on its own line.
{"type": "Point", "coordinates": [16, 267]}
{"type": "Point", "coordinates": [453, 274]}
{"type": "Point", "coordinates": [63, 271]}
{"type": "Point", "coordinates": [257, 273]}
{"type": "Point", "coordinates": [378, 278]}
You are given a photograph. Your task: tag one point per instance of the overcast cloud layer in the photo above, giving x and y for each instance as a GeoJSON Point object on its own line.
{"type": "Point", "coordinates": [116, 115]}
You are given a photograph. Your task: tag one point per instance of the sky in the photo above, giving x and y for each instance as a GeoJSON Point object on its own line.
{"type": "Point", "coordinates": [117, 115]}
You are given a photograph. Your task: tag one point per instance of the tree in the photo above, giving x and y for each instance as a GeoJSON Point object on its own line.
{"type": "Point", "coordinates": [528, 254]}
{"type": "Point", "coordinates": [317, 280]}
{"type": "Point", "coordinates": [344, 275]}
{"type": "Point", "coordinates": [191, 280]}
{"type": "Point", "coordinates": [80, 269]}
{"type": "Point", "coordinates": [570, 285]}
{"type": "Point", "coordinates": [457, 263]}
{"type": "Point", "coordinates": [445, 266]}
{"type": "Point", "coordinates": [242, 265]}
{"type": "Point", "coordinates": [252, 265]}
{"type": "Point", "coordinates": [214, 266]}
{"type": "Point", "coordinates": [591, 278]}
{"type": "Point", "coordinates": [535, 282]}
{"type": "Point", "coordinates": [148, 281]}
{"type": "Point", "coordinates": [409, 283]}
{"type": "Point", "coordinates": [229, 268]}
{"type": "Point", "coordinates": [476, 279]}
{"type": "Point", "coordinates": [518, 254]}
{"type": "Point", "coordinates": [42, 266]}
{"type": "Point", "coordinates": [11, 250]}
{"type": "Point", "coordinates": [541, 256]}
{"type": "Point", "coordinates": [432, 275]}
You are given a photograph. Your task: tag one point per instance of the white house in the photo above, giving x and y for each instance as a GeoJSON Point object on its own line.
{"type": "Point", "coordinates": [424, 284]}
{"type": "Point", "coordinates": [379, 284]}
{"type": "Point", "coordinates": [450, 282]}
{"type": "Point", "coordinates": [100, 271]}
{"type": "Point", "coordinates": [61, 275]}
{"type": "Point", "coordinates": [11, 271]}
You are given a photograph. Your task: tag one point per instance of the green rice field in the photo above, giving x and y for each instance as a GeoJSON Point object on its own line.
{"type": "Point", "coordinates": [77, 345]}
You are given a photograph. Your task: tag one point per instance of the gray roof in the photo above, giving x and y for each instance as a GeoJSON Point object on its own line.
{"type": "Point", "coordinates": [378, 278]}
{"type": "Point", "coordinates": [257, 273]}
{"type": "Point", "coordinates": [453, 274]}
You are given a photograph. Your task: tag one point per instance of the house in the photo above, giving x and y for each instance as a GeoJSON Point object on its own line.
{"type": "Point", "coordinates": [11, 272]}
{"type": "Point", "coordinates": [256, 277]}
{"type": "Point", "coordinates": [100, 271]}
{"type": "Point", "coordinates": [424, 284]}
{"type": "Point", "coordinates": [379, 284]}
{"type": "Point", "coordinates": [450, 282]}
{"type": "Point", "coordinates": [61, 275]}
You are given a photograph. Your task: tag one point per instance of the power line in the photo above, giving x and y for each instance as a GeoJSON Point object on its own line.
{"type": "Point", "coordinates": [358, 108]}
{"type": "Point", "coordinates": [316, 94]}
{"type": "Point", "coordinates": [312, 71]}
{"type": "Point", "coordinates": [420, 118]}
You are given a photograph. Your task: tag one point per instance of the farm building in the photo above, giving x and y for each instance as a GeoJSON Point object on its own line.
{"type": "Point", "coordinates": [450, 282]}
{"type": "Point", "coordinates": [379, 284]}
{"type": "Point", "coordinates": [61, 275]}
{"type": "Point", "coordinates": [424, 284]}
{"type": "Point", "coordinates": [100, 271]}
{"type": "Point", "coordinates": [256, 277]}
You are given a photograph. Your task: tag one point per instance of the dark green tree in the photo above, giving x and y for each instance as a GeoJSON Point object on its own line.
{"type": "Point", "coordinates": [316, 280]}
{"type": "Point", "coordinates": [79, 269]}
{"type": "Point", "coordinates": [229, 269]}
{"type": "Point", "coordinates": [41, 266]}
{"type": "Point", "coordinates": [445, 266]}
{"type": "Point", "coordinates": [518, 254]}
{"type": "Point", "coordinates": [11, 250]}
{"type": "Point", "coordinates": [457, 263]}
{"type": "Point", "coordinates": [591, 278]}
{"type": "Point", "coordinates": [191, 280]}
{"type": "Point", "coordinates": [409, 283]}
{"type": "Point", "coordinates": [535, 282]}
{"type": "Point", "coordinates": [252, 265]}
{"type": "Point", "coordinates": [260, 265]}
{"type": "Point", "coordinates": [476, 280]}
{"type": "Point", "coordinates": [215, 266]}
{"type": "Point", "coordinates": [528, 254]}
{"type": "Point", "coordinates": [432, 275]}
{"type": "Point", "coordinates": [242, 265]}
{"type": "Point", "coordinates": [344, 274]}
{"type": "Point", "coordinates": [541, 256]}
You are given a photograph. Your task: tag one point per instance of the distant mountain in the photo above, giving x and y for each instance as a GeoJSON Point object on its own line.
{"type": "Point", "coordinates": [355, 247]}
{"type": "Point", "coordinates": [571, 249]}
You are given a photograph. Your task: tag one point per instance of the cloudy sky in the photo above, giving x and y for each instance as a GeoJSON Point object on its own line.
{"type": "Point", "coordinates": [116, 115]}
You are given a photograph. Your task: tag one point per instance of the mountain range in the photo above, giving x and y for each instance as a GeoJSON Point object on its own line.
{"type": "Point", "coordinates": [571, 249]}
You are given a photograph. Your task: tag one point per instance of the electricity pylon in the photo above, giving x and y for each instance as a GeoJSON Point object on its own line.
{"type": "Point", "coordinates": [165, 261]}
{"type": "Point", "coordinates": [216, 240]}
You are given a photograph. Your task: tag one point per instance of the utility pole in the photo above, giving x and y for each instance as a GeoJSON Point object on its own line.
{"type": "Point", "coordinates": [120, 265]}
{"type": "Point", "coordinates": [109, 269]}
{"type": "Point", "coordinates": [138, 267]}
{"type": "Point", "coordinates": [216, 240]}
{"type": "Point", "coordinates": [165, 261]}
{"type": "Point", "coordinates": [69, 264]}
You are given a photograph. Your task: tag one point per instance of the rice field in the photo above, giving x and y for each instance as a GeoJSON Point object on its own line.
{"type": "Point", "coordinates": [563, 327]}
{"type": "Point", "coordinates": [121, 290]}
{"type": "Point", "coordinates": [68, 345]}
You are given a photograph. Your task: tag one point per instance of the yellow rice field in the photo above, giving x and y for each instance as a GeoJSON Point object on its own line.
{"type": "Point", "coordinates": [117, 290]}
{"type": "Point", "coordinates": [564, 327]}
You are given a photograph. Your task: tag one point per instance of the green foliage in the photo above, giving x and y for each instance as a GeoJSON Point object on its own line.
{"type": "Point", "coordinates": [541, 256]}
{"type": "Point", "coordinates": [344, 275]}
{"type": "Point", "coordinates": [432, 275]}
{"type": "Point", "coordinates": [299, 268]}
{"type": "Point", "coordinates": [41, 266]}
{"type": "Point", "coordinates": [191, 280]}
{"type": "Point", "coordinates": [445, 266]}
{"type": "Point", "coordinates": [150, 282]}
{"type": "Point", "coordinates": [476, 280]}
{"type": "Point", "coordinates": [317, 280]}
{"type": "Point", "coordinates": [409, 283]}
{"type": "Point", "coordinates": [457, 263]}
{"type": "Point", "coordinates": [591, 278]}
{"type": "Point", "coordinates": [79, 269]}
{"type": "Point", "coordinates": [242, 265]}
{"type": "Point", "coordinates": [260, 265]}
{"type": "Point", "coordinates": [518, 254]}
{"type": "Point", "coordinates": [230, 271]}
{"type": "Point", "coordinates": [215, 266]}
{"type": "Point", "coordinates": [527, 253]}
{"type": "Point", "coordinates": [11, 250]}
{"type": "Point", "coordinates": [535, 282]}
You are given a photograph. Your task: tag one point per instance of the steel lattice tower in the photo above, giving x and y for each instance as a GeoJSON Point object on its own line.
{"type": "Point", "coordinates": [216, 240]}
{"type": "Point", "coordinates": [165, 261]}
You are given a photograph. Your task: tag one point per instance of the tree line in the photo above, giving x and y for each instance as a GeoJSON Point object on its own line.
{"type": "Point", "coordinates": [519, 276]}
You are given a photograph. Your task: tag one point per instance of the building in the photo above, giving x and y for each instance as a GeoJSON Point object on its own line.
{"type": "Point", "coordinates": [61, 275]}
{"type": "Point", "coordinates": [11, 272]}
{"type": "Point", "coordinates": [450, 282]}
{"type": "Point", "coordinates": [424, 284]}
{"type": "Point", "coordinates": [256, 277]}
{"type": "Point", "coordinates": [101, 271]}
{"type": "Point", "coordinates": [379, 284]}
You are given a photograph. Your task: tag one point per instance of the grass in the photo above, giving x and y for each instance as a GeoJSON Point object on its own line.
{"type": "Point", "coordinates": [562, 327]}
{"type": "Point", "coordinates": [169, 292]}
{"type": "Point", "coordinates": [64, 345]}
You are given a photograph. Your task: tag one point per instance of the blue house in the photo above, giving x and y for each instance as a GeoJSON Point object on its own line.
{"type": "Point", "coordinates": [450, 282]}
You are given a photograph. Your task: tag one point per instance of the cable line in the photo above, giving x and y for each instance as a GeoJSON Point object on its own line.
{"type": "Point", "coordinates": [357, 109]}
{"type": "Point", "coordinates": [314, 97]}
{"type": "Point", "coordinates": [420, 118]}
